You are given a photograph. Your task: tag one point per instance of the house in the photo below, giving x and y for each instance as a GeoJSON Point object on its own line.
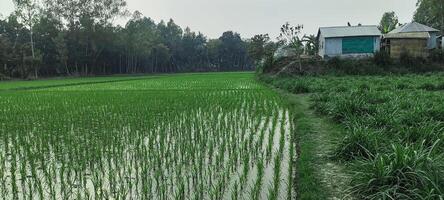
{"type": "Point", "coordinates": [415, 38]}
{"type": "Point", "coordinates": [348, 41]}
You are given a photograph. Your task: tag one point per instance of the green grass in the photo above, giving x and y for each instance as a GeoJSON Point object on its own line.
{"type": "Point", "coordinates": [393, 130]}
{"type": "Point", "coordinates": [188, 136]}
{"type": "Point", "coordinates": [317, 176]}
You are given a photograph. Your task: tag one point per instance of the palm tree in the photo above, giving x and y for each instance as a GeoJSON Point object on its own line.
{"type": "Point", "coordinates": [311, 44]}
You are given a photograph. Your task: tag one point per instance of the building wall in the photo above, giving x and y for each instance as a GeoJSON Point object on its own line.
{"type": "Point", "coordinates": [334, 47]}
{"type": "Point", "coordinates": [442, 43]}
{"type": "Point", "coordinates": [415, 47]}
{"type": "Point", "coordinates": [321, 46]}
{"type": "Point", "coordinates": [432, 42]}
{"type": "Point", "coordinates": [377, 44]}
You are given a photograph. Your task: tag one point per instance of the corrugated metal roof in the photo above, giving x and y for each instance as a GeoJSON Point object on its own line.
{"type": "Point", "coordinates": [413, 35]}
{"type": "Point", "coordinates": [413, 27]}
{"type": "Point", "coordinates": [349, 31]}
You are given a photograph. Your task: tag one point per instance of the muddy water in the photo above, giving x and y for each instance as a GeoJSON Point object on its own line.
{"type": "Point", "coordinates": [189, 156]}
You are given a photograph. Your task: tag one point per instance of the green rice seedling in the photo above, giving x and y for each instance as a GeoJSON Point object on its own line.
{"type": "Point", "coordinates": [140, 138]}
{"type": "Point", "coordinates": [259, 181]}
{"type": "Point", "coordinates": [274, 190]}
{"type": "Point", "coordinates": [235, 192]}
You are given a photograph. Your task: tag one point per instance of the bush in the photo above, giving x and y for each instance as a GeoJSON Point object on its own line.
{"type": "Point", "coordinates": [335, 63]}
{"type": "Point", "coordinates": [402, 86]}
{"type": "Point", "coordinates": [299, 87]}
{"type": "Point", "coordinates": [382, 59]}
{"type": "Point", "coordinates": [428, 87]}
{"type": "Point", "coordinates": [359, 143]}
{"type": "Point", "coordinates": [407, 172]}
{"type": "Point", "coordinates": [437, 55]}
{"type": "Point", "coordinates": [410, 61]}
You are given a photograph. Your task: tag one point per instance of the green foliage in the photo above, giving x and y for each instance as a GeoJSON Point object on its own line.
{"type": "Point", "coordinates": [77, 37]}
{"type": "Point", "coordinates": [410, 61]}
{"type": "Point", "coordinates": [430, 13]}
{"type": "Point", "coordinates": [437, 55]}
{"type": "Point", "coordinates": [388, 22]}
{"type": "Point", "coordinates": [311, 44]}
{"type": "Point", "coordinates": [383, 59]}
{"type": "Point", "coordinates": [360, 142]}
{"type": "Point", "coordinates": [256, 47]}
{"type": "Point", "coordinates": [378, 112]}
{"type": "Point", "coordinates": [406, 172]}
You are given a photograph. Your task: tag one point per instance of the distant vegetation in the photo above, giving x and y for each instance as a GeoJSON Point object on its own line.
{"type": "Point", "coordinates": [77, 37]}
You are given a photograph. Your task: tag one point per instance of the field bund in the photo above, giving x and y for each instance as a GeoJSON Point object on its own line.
{"type": "Point", "coordinates": [189, 136]}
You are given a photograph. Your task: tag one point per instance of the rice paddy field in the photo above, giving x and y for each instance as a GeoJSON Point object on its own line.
{"type": "Point", "coordinates": [394, 130]}
{"type": "Point", "coordinates": [189, 136]}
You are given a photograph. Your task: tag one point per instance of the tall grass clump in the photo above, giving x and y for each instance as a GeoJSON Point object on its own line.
{"type": "Point", "coordinates": [393, 128]}
{"type": "Point", "coordinates": [407, 172]}
{"type": "Point", "coordinates": [360, 142]}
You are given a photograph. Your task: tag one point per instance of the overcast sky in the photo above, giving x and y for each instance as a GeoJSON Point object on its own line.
{"type": "Point", "coordinates": [251, 17]}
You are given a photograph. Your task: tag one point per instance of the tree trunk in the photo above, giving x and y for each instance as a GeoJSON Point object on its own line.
{"type": "Point", "coordinates": [67, 70]}
{"type": "Point", "coordinates": [77, 68]}
{"type": "Point", "coordinates": [33, 53]}
{"type": "Point", "coordinates": [120, 63]}
{"type": "Point", "coordinates": [32, 43]}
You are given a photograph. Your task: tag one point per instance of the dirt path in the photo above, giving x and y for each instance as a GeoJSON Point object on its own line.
{"type": "Point", "coordinates": [318, 176]}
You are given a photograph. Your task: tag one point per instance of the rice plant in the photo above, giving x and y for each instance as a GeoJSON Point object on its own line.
{"type": "Point", "coordinates": [190, 136]}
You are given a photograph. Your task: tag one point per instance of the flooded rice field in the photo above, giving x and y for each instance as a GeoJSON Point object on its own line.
{"type": "Point", "coordinates": [210, 136]}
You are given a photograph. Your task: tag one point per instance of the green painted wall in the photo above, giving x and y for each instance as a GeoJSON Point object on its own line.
{"type": "Point", "coordinates": [358, 45]}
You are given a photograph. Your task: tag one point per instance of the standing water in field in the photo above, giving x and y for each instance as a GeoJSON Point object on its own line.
{"type": "Point", "coordinates": [211, 136]}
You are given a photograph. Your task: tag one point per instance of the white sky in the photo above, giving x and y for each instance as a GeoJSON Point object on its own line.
{"type": "Point", "coordinates": [251, 17]}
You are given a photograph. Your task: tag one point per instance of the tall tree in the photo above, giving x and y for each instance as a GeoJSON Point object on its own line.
{"type": "Point", "coordinates": [431, 13]}
{"type": "Point", "coordinates": [389, 21]}
{"type": "Point", "coordinates": [27, 12]}
{"type": "Point", "coordinates": [62, 51]}
{"type": "Point", "coordinates": [290, 36]}
{"type": "Point", "coordinates": [311, 44]}
{"type": "Point", "coordinates": [77, 37]}
{"type": "Point", "coordinates": [232, 51]}
{"type": "Point", "coordinates": [256, 47]}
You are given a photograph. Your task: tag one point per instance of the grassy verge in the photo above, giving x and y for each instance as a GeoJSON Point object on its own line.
{"type": "Point", "coordinates": [392, 132]}
{"type": "Point", "coordinates": [317, 176]}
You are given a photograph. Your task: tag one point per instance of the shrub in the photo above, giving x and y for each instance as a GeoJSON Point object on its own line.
{"type": "Point", "coordinates": [382, 59]}
{"type": "Point", "coordinates": [402, 86]}
{"type": "Point", "coordinates": [335, 63]}
{"type": "Point", "coordinates": [437, 55]}
{"type": "Point", "coordinates": [427, 132]}
{"type": "Point", "coordinates": [407, 172]}
{"type": "Point", "coordinates": [428, 87]}
{"type": "Point", "coordinates": [364, 87]}
{"type": "Point", "coordinates": [299, 87]}
{"type": "Point", "coordinates": [440, 86]}
{"type": "Point", "coordinates": [359, 143]}
{"type": "Point", "coordinates": [411, 62]}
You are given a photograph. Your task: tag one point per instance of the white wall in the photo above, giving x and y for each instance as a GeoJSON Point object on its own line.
{"type": "Point", "coordinates": [321, 51]}
{"type": "Point", "coordinates": [431, 43]}
{"type": "Point", "coordinates": [333, 47]}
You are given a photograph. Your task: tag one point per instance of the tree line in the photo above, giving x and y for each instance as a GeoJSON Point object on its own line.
{"type": "Point", "coordinates": [78, 37]}
{"type": "Point", "coordinates": [428, 12]}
